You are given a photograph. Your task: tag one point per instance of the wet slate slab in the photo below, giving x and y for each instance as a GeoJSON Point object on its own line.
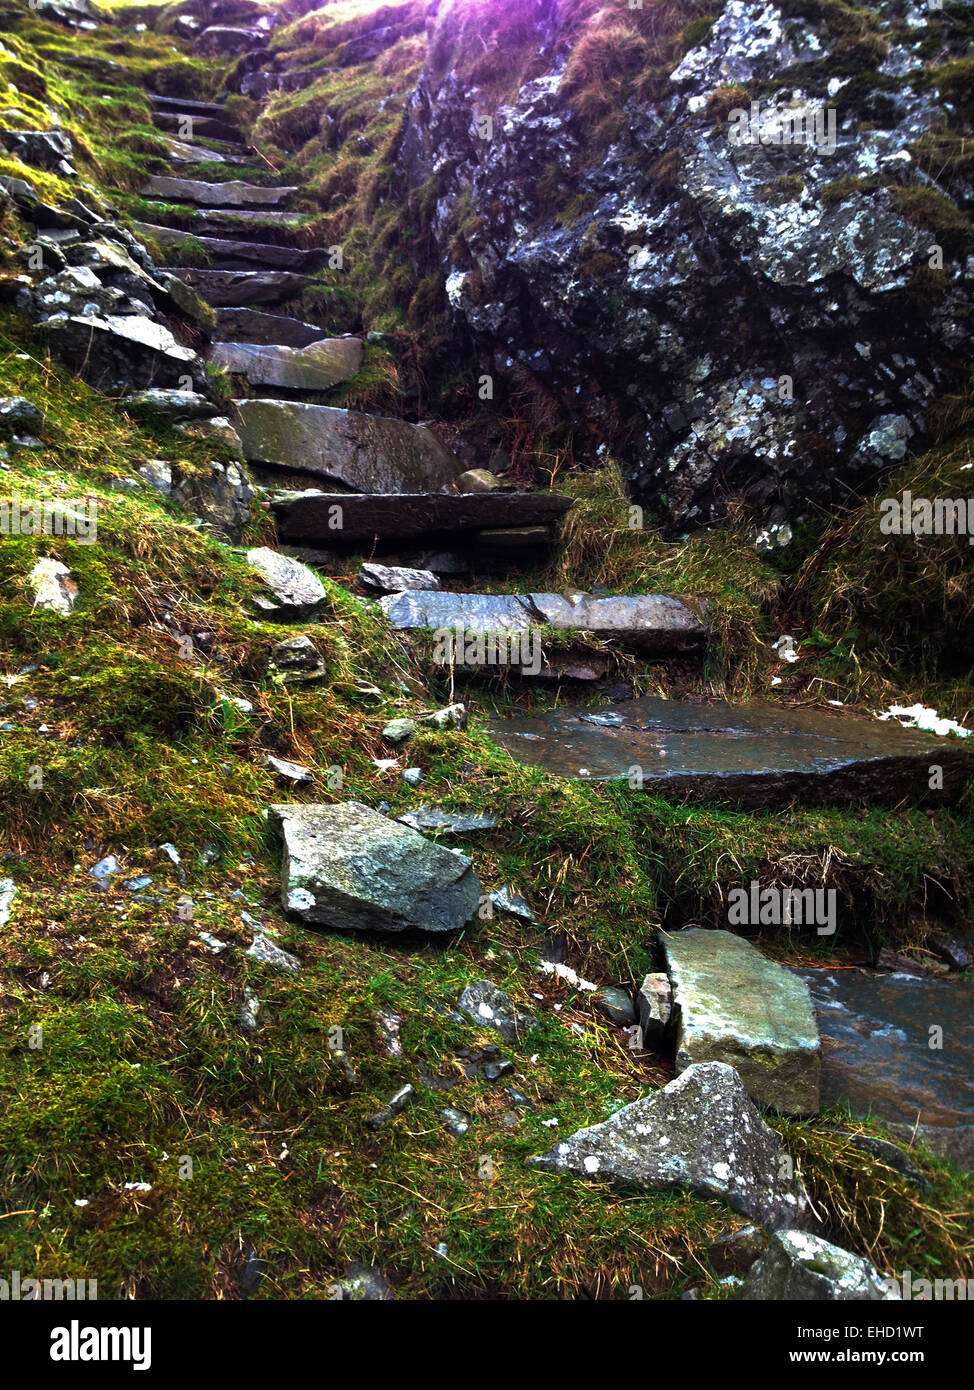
{"type": "Point", "coordinates": [649, 622]}
{"type": "Point", "coordinates": [369, 452]}
{"type": "Point", "coordinates": [733, 1005]}
{"type": "Point", "coordinates": [754, 755]}
{"type": "Point", "coordinates": [307, 516]}
{"type": "Point", "coordinates": [877, 1056]}
{"type": "Point", "coordinates": [237, 323]}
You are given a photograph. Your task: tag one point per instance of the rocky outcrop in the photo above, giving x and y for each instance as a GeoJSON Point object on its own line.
{"type": "Point", "coordinates": [733, 1005]}
{"type": "Point", "coordinates": [735, 300]}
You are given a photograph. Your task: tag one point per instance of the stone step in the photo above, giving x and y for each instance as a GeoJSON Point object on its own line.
{"type": "Point", "coordinates": [237, 255]}
{"type": "Point", "coordinates": [232, 194]}
{"type": "Point", "coordinates": [654, 623]}
{"type": "Point", "coordinates": [316, 367]}
{"type": "Point", "coordinates": [233, 287]}
{"type": "Point", "coordinates": [191, 108]}
{"type": "Point", "coordinates": [308, 516]}
{"type": "Point", "coordinates": [189, 127]}
{"type": "Point", "coordinates": [184, 153]}
{"type": "Point", "coordinates": [754, 755]}
{"type": "Point", "coordinates": [362, 451]}
{"type": "Point", "coordinates": [239, 324]}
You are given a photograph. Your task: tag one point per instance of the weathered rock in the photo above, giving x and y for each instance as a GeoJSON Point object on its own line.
{"type": "Point", "coordinates": [754, 755]}
{"type": "Point", "coordinates": [398, 730]}
{"type": "Point", "coordinates": [8, 891]}
{"type": "Point", "coordinates": [195, 126]}
{"type": "Point", "coordinates": [218, 430]}
{"type": "Point", "coordinates": [46, 149]}
{"type": "Point", "coordinates": [225, 40]}
{"type": "Point", "coordinates": [234, 193]}
{"type": "Point", "coordinates": [264, 950]}
{"type": "Point", "coordinates": [17, 413]}
{"type": "Point", "coordinates": [54, 589]}
{"type": "Point", "coordinates": [949, 949]}
{"type": "Point", "coordinates": [390, 579]}
{"type": "Point", "coordinates": [733, 1005]}
{"type": "Point", "coordinates": [362, 1284]}
{"type": "Point", "coordinates": [171, 404]}
{"type": "Point", "coordinates": [477, 480]}
{"type": "Point", "coordinates": [512, 902]}
{"type": "Point", "coordinates": [651, 623]}
{"type": "Point", "coordinates": [877, 1059]}
{"type": "Point", "coordinates": [394, 1107]}
{"type": "Point", "coordinates": [449, 717]}
{"type": "Point", "coordinates": [348, 867]}
{"type": "Point", "coordinates": [654, 1003]}
{"type": "Point", "coordinates": [183, 152]}
{"type": "Point", "coordinates": [703, 1133]}
{"type": "Point", "coordinates": [314, 368]}
{"type": "Point", "coordinates": [616, 1004]}
{"type": "Point", "coordinates": [250, 326]}
{"type": "Point", "coordinates": [368, 452]}
{"type": "Point", "coordinates": [490, 1007]}
{"type": "Point", "coordinates": [291, 772]}
{"type": "Point", "coordinates": [798, 1267]}
{"type": "Point", "coordinates": [121, 352]}
{"type": "Point", "coordinates": [158, 474]}
{"type": "Point", "coordinates": [392, 515]}
{"type": "Point", "coordinates": [430, 818]}
{"type": "Point", "coordinates": [297, 660]}
{"type": "Point", "coordinates": [242, 287]}
{"type": "Point", "coordinates": [298, 592]}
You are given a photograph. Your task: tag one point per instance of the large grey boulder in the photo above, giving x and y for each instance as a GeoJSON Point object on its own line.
{"type": "Point", "coordinates": [798, 1267]}
{"type": "Point", "coordinates": [121, 352]}
{"type": "Point", "coordinates": [367, 452]}
{"type": "Point", "coordinates": [297, 591]}
{"type": "Point", "coordinates": [313, 368]}
{"type": "Point", "coordinates": [234, 193]}
{"type": "Point", "coordinates": [349, 867]}
{"type": "Point", "coordinates": [735, 1006]}
{"type": "Point", "coordinates": [702, 1133]}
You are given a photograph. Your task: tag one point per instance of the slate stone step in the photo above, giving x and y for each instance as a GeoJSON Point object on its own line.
{"type": "Point", "coordinates": [238, 255]}
{"type": "Point", "coordinates": [876, 1057]}
{"type": "Point", "coordinates": [733, 1005]}
{"type": "Point", "coordinates": [307, 515]}
{"type": "Point", "coordinates": [647, 622]}
{"type": "Point", "coordinates": [188, 107]}
{"type": "Point", "coordinates": [367, 452]}
{"type": "Point", "coordinates": [188, 126]}
{"type": "Point", "coordinates": [314, 368]}
{"type": "Point", "coordinates": [755, 755]}
{"type": "Point", "coordinates": [185, 153]}
{"type": "Point", "coordinates": [239, 324]}
{"type": "Point", "coordinates": [233, 287]}
{"type": "Point", "coordinates": [232, 194]}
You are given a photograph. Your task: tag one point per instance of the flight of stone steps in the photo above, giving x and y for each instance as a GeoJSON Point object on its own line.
{"type": "Point", "coordinates": [376, 485]}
